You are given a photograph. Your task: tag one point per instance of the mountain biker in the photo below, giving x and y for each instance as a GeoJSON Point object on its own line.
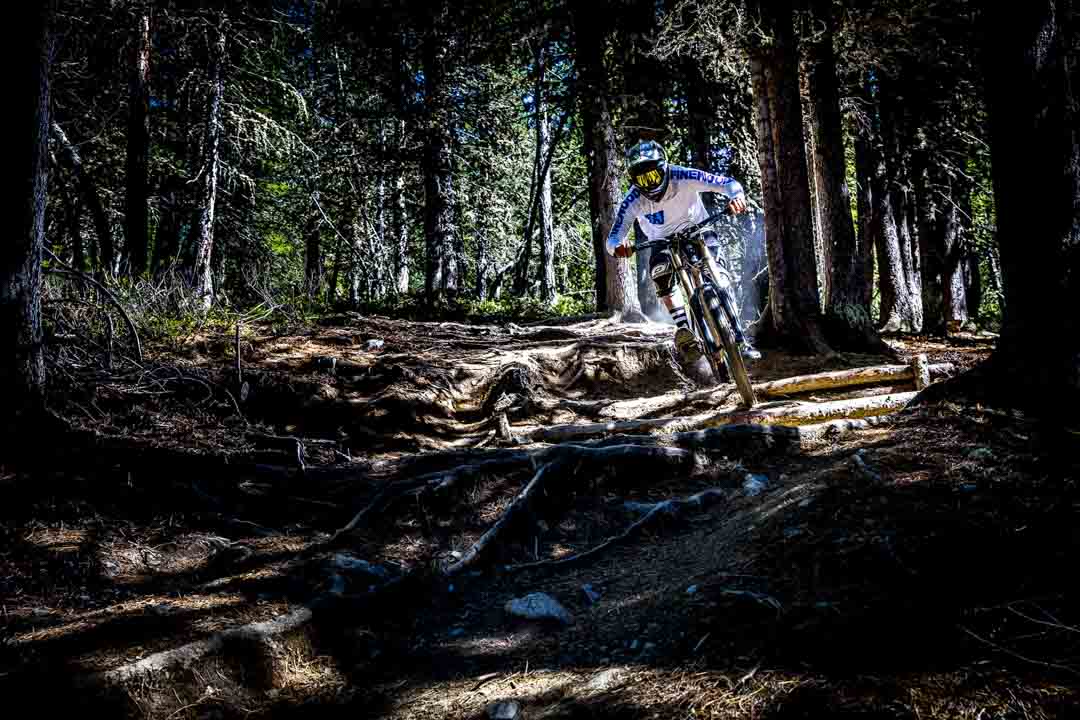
{"type": "Point", "coordinates": [662, 198]}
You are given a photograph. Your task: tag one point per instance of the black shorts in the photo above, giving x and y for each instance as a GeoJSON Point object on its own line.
{"type": "Point", "coordinates": [662, 272]}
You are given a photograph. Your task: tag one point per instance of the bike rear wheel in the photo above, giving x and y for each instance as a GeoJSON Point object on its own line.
{"type": "Point", "coordinates": [720, 326]}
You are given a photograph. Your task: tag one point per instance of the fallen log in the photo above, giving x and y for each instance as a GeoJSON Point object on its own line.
{"type": "Point", "coordinates": [836, 380]}
{"type": "Point", "coordinates": [876, 375]}
{"type": "Point", "coordinates": [801, 413]}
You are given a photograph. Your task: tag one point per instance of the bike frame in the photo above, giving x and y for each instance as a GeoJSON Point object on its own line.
{"type": "Point", "coordinates": [691, 280]}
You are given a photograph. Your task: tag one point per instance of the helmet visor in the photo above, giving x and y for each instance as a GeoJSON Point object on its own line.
{"type": "Point", "coordinates": [647, 176]}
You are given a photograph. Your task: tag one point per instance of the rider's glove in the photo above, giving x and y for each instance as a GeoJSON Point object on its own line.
{"type": "Point", "coordinates": [623, 250]}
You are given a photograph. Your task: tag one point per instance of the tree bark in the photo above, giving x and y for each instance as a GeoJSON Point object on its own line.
{"type": "Point", "coordinates": [547, 225]}
{"type": "Point", "coordinates": [798, 323]}
{"type": "Point", "coordinates": [953, 258]}
{"type": "Point", "coordinates": [1032, 53]}
{"type": "Point", "coordinates": [972, 273]}
{"type": "Point", "coordinates": [78, 250]}
{"type": "Point", "coordinates": [441, 278]}
{"type": "Point", "coordinates": [774, 229]}
{"type": "Point", "coordinates": [864, 175]}
{"type": "Point", "coordinates": [22, 368]}
{"type": "Point", "coordinates": [897, 314]}
{"type": "Point", "coordinates": [401, 234]}
{"type": "Point", "coordinates": [847, 305]}
{"type": "Point", "coordinates": [698, 111]}
{"type": "Point", "coordinates": [615, 286]}
{"type": "Point", "coordinates": [644, 118]}
{"type": "Point", "coordinates": [136, 220]}
{"type": "Point", "coordinates": [864, 172]}
{"type": "Point", "coordinates": [896, 140]}
{"type": "Point", "coordinates": [381, 211]}
{"type": "Point", "coordinates": [207, 193]}
{"type": "Point", "coordinates": [313, 260]}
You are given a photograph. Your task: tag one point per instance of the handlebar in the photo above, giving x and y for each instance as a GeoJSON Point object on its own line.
{"type": "Point", "coordinates": [664, 242]}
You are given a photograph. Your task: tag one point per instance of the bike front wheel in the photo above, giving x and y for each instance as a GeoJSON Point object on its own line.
{"type": "Point", "coordinates": [720, 326]}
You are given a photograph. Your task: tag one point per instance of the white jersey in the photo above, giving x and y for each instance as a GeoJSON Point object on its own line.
{"type": "Point", "coordinates": [680, 205]}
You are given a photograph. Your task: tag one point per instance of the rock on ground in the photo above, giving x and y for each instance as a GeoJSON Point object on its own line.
{"type": "Point", "coordinates": [538, 606]}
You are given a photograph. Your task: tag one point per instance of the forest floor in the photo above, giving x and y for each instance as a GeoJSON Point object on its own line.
{"type": "Point", "coordinates": [921, 567]}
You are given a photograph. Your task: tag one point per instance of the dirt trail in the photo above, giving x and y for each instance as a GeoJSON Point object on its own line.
{"type": "Point", "coordinates": [886, 571]}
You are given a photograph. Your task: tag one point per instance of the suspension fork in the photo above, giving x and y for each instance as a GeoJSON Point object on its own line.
{"type": "Point", "coordinates": [723, 288]}
{"type": "Point", "coordinates": [691, 292]}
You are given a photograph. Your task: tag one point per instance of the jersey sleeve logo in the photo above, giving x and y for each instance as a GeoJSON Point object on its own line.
{"type": "Point", "coordinates": [656, 218]}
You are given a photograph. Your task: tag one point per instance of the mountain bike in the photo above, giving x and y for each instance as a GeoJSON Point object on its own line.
{"type": "Point", "coordinates": [711, 310]}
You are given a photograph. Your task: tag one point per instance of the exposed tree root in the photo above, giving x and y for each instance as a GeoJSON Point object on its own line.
{"type": "Point", "coordinates": [642, 456]}
{"type": "Point", "coordinates": [512, 515]}
{"type": "Point", "coordinates": [254, 634]}
{"type": "Point", "coordinates": [670, 508]}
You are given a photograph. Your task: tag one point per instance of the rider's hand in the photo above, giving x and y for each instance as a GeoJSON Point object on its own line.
{"type": "Point", "coordinates": [623, 250]}
{"type": "Point", "coordinates": [738, 204]}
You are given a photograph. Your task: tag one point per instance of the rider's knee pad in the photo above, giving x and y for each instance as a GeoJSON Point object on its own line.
{"type": "Point", "coordinates": [663, 275]}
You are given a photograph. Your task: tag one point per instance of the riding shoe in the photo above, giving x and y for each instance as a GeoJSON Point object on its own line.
{"type": "Point", "coordinates": [687, 345]}
{"type": "Point", "coordinates": [749, 352]}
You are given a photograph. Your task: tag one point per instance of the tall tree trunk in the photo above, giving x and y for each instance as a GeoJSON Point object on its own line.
{"type": "Point", "coordinates": [955, 295]}
{"type": "Point", "coordinates": [441, 280]}
{"type": "Point", "coordinates": [483, 260]}
{"type": "Point", "coordinates": [167, 237]}
{"type": "Point", "coordinates": [381, 213]}
{"type": "Point", "coordinates": [896, 314]}
{"type": "Point", "coordinates": [1033, 55]}
{"type": "Point", "coordinates": [136, 217]}
{"type": "Point", "coordinates": [70, 156]}
{"type": "Point", "coordinates": [896, 139]}
{"type": "Point", "coordinates": [644, 116]}
{"type": "Point", "coordinates": [400, 234]}
{"type": "Point", "coordinates": [847, 306]}
{"type": "Point", "coordinates": [78, 249]}
{"type": "Point", "coordinates": [313, 260]}
{"type": "Point", "coordinates": [547, 223]}
{"type": "Point", "coordinates": [799, 322]}
{"type": "Point", "coordinates": [864, 174]}
{"type": "Point", "coordinates": [22, 367]}
{"type": "Point", "coordinates": [897, 311]}
{"type": "Point", "coordinates": [973, 288]}
{"type": "Point", "coordinates": [207, 193]}
{"type": "Point", "coordinates": [355, 253]}
{"type": "Point", "coordinates": [698, 111]}
{"type": "Point", "coordinates": [615, 286]}
{"type": "Point", "coordinates": [774, 229]}
{"type": "Point", "coordinates": [398, 229]}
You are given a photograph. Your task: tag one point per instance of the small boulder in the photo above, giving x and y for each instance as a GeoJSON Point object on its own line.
{"type": "Point", "coordinates": [605, 680]}
{"type": "Point", "coordinates": [504, 710]}
{"type": "Point", "coordinates": [348, 564]}
{"type": "Point", "coordinates": [755, 484]}
{"type": "Point", "coordinates": [538, 606]}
